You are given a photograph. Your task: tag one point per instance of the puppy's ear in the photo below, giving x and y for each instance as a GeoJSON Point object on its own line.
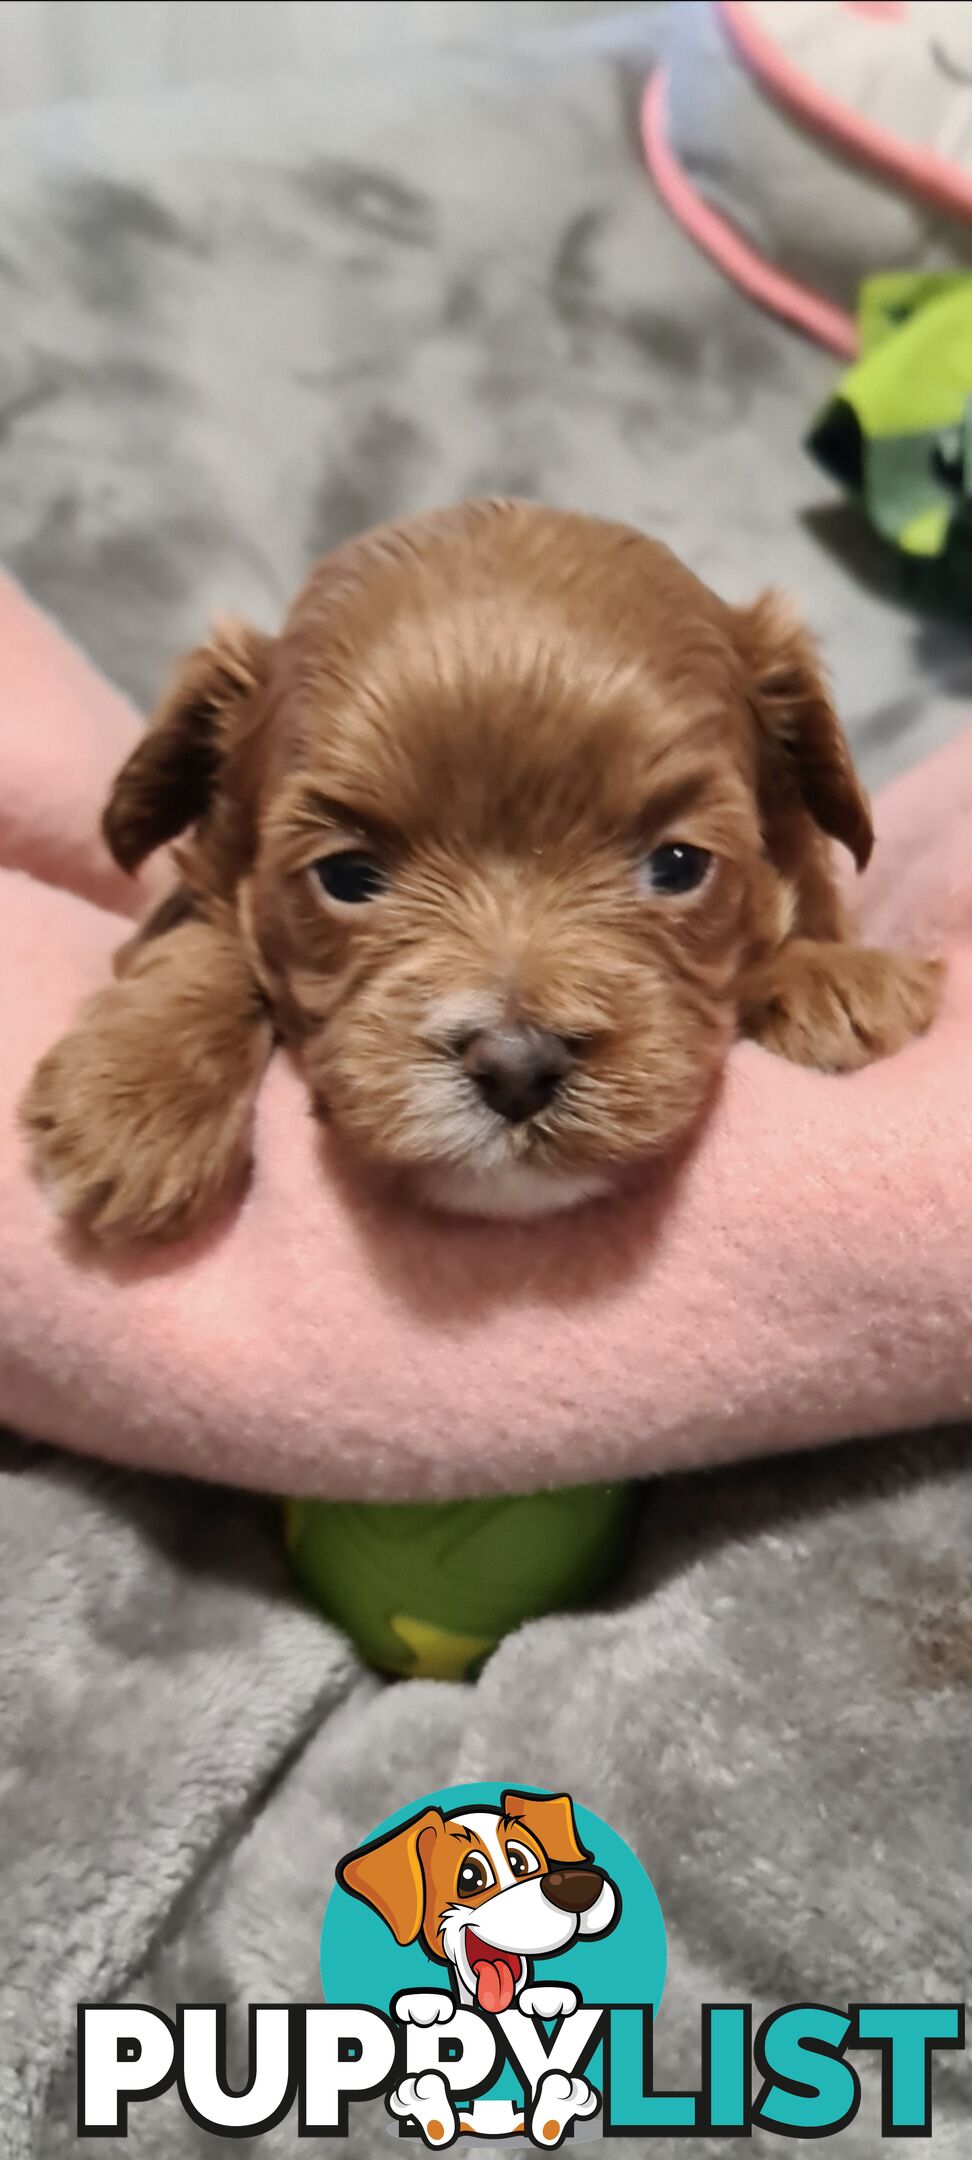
{"type": "Point", "coordinates": [390, 1876]}
{"type": "Point", "coordinates": [803, 751]}
{"type": "Point", "coordinates": [169, 780]}
{"type": "Point", "coordinates": [551, 1820]}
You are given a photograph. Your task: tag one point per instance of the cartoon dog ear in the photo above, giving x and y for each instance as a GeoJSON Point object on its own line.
{"type": "Point", "coordinates": [390, 1876]}
{"type": "Point", "coordinates": [551, 1819]}
{"type": "Point", "coordinates": [169, 779]}
{"type": "Point", "coordinates": [804, 753]}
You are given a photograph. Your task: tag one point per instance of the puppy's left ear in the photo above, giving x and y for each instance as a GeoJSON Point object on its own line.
{"type": "Point", "coordinates": [172, 777]}
{"type": "Point", "coordinates": [551, 1820]}
{"type": "Point", "coordinates": [803, 751]}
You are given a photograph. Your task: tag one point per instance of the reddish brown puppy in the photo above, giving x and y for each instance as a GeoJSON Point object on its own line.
{"type": "Point", "coordinates": [509, 833]}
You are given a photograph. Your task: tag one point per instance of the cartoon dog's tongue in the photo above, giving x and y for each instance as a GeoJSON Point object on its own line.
{"type": "Point", "coordinates": [494, 1986]}
{"type": "Point", "coordinates": [496, 1974]}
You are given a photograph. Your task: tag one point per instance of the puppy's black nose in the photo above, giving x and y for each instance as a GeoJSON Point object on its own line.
{"type": "Point", "coordinates": [517, 1069]}
{"type": "Point", "coordinates": [573, 1889]}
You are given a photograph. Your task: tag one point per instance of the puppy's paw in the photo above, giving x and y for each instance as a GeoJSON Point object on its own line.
{"type": "Point", "coordinates": [426, 2100]}
{"type": "Point", "coordinates": [139, 1121]}
{"type": "Point", "coordinates": [559, 2101]}
{"type": "Point", "coordinates": [126, 1155]}
{"type": "Point", "coordinates": [840, 1007]}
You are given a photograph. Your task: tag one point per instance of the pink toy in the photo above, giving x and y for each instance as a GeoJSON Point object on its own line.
{"type": "Point", "coordinates": [804, 1275]}
{"type": "Point", "coordinates": [832, 134]}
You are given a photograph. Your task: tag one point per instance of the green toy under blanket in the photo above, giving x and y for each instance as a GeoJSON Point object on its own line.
{"type": "Point", "coordinates": [429, 1590]}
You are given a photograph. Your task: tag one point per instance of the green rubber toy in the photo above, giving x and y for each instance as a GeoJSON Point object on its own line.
{"type": "Point", "coordinates": [429, 1590]}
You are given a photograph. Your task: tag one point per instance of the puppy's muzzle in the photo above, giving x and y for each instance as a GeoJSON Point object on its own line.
{"type": "Point", "coordinates": [517, 1069]}
{"type": "Point", "coordinates": [572, 1890]}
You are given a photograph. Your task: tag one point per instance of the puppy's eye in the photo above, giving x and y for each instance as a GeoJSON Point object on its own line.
{"type": "Point", "coordinates": [352, 878]}
{"type": "Point", "coordinates": [521, 1861]}
{"type": "Point", "coordinates": [676, 867]}
{"type": "Point", "coordinates": [474, 1874]}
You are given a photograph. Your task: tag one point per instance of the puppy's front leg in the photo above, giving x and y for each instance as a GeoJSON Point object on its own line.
{"type": "Point", "coordinates": [139, 1120]}
{"type": "Point", "coordinates": [838, 1007]}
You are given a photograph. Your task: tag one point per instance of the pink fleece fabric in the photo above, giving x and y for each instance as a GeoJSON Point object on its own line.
{"type": "Point", "coordinates": [802, 1276]}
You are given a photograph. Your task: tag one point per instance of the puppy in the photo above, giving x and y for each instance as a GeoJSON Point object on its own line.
{"type": "Point", "coordinates": [487, 1891]}
{"type": "Point", "coordinates": [508, 834]}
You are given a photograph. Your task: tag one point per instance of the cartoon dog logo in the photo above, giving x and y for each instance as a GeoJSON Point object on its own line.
{"type": "Point", "coordinates": [488, 1891]}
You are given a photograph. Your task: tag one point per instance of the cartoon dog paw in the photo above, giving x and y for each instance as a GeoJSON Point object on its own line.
{"type": "Point", "coordinates": [548, 2000]}
{"type": "Point", "coordinates": [560, 2100]}
{"type": "Point", "coordinates": [425, 2100]}
{"type": "Point", "coordinates": [425, 2006]}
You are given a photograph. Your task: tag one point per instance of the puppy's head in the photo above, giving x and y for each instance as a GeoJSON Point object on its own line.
{"type": "Point", "coordinates": [507, 811]}
{"type": "Point", "coordinates": [486, 1889]}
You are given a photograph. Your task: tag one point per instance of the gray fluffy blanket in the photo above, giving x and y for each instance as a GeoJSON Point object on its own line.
{"type": "Point", "coordinates": [234, 328]}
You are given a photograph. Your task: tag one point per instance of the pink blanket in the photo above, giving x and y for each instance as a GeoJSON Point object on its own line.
{"type": "Point", "coordinates": [804, 1275]}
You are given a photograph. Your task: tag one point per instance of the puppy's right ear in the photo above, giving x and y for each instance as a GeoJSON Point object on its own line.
{"type": "Point", "coordinates": [390, 1876]}
{"type": "Point", "coordinates": [169, 780]}
{"type": "Point", "coordinates": [804, 752]}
